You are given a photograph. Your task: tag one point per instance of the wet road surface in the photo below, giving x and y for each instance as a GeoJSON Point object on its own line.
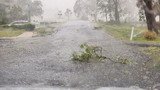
{"type": "Point", "coordinates": [46, 61]}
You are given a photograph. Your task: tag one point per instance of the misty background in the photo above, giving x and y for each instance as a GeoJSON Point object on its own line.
{"type": "Point", "coordinates": [62, 10]}
{"type": "Point", "coordinates": [51, 8]}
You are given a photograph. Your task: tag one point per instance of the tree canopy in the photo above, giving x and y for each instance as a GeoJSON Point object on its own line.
{"type": "Point", "coordinates": [20, 9]}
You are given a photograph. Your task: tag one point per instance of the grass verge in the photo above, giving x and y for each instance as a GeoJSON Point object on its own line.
{"type": "Point", "coordinates": [123, 32]}
{"type": "Point", "coordinates": [10, 32]}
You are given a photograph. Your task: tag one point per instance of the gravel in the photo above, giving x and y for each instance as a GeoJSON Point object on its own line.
{"type": "Point", "coordinates": [46, 61]}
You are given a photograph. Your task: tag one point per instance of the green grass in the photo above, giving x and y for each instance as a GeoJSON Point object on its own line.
{"type": "Point", "coordinates": [10, 32]}
{"type": "Point", "coordinates": [142, 39]}
{"type": "Point", "coordinates": [123, 31]}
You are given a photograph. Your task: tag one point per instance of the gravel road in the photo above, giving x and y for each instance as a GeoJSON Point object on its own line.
{"type": "Point", "coordinates": [46, 61]}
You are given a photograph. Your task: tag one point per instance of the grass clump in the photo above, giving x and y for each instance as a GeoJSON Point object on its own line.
{"type": "Point", "coordinates": [88, 53]}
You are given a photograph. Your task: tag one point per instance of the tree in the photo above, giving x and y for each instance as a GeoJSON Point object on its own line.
{"type": "Point", "coordinates": [68, 13]}
{"type": "Point", "coordinates": [116, 6]}
{"type": "Point", "coordinates": [152, 9]}
{"type": "Point", "coordinates": [60, 14]}
{"type": "Point", "coordinates": [110, 8]}
{"type": "Point", "coordinates": [15, 13]}
{"type": "Point", "coordinates": [85, 8]}
{"type": "Point", "coordinates": [81, 9]}
{"type": "Point", "coordinates": [23, 9]}
{"type": "Point", "coordinates": [93, 8]}
{"type": "Point", "coordinates": [36, 8]}
{"type": "Point", "coordinates": [105, 7]}
{"type": "Point", "coordinates": [3, 18]}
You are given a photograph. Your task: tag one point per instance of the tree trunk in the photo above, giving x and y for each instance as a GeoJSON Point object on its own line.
{"type": "Point", "coordinates": [106, 14]}
{"type": "Point", "coordinates": [95, 17]}
{"type": "Point", "coordinates": [151, 22]}
{"type": "Point", "coordinates": [109, 12]}
{"type": "Point", "coordinates": [116, 12]}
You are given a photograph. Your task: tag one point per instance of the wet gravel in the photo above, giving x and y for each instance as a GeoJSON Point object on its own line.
{"type": "Point", "coordinates": [46, 61]}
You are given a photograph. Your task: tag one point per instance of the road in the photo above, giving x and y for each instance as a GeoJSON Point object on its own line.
{"type": "Point", "coordinates": [46, 61]}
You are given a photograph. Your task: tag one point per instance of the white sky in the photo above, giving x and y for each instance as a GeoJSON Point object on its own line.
{"type": "Point", "coordinates": [52, 6]}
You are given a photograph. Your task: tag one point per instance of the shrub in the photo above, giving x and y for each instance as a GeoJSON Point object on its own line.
{"type": "Point", "coordinates": [150, 35]}
{"type": "Point", "coordinates": [44, 31]}
{"type": "Point", "coordinates": [3, 21]}
{"type": "Point", "coordinates": [30, 27]}
{"type": "Point", "coordinates": [41, 31]}
{"type": "Point", "coordinates": [5, 26]}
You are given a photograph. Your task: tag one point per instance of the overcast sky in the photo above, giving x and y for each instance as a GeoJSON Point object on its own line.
{"type": "Point", "coordinates": [52, 6]}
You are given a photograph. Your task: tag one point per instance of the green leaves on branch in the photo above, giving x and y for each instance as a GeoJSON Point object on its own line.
{"type": "Point", "coordinates": [88, 53]}
{"type": "Point", "coordinates": [94, 53]}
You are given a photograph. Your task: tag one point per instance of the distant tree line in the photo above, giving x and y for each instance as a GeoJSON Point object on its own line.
{"type": "Point", "coordinates": [112, 10]}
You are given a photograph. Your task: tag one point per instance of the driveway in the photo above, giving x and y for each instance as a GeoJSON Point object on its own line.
{"type": "Point", "coordinates": [46, 61]}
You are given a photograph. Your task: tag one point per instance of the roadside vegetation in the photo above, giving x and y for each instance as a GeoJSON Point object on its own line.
{"type": "Point", "coordinates": [10, 32]}
{"type": "Point", "coordinates": [154, 53]}
{"type": "Point", "coordinates": [44, 31]}
{"type": "Point", "coordinates": [123, 32]}
{"type": "Point", "coordinates": [12, 11]}
{"type": "Point", "coordinates": [47, 28]}
{"type": "Point", "coordinates": [15, 30]}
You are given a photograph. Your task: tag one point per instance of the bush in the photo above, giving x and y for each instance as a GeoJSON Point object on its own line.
{"type": "Point", "coordinates": [29, 27]}
{"type": "Point", "coordinates": [41, 31]}
{"type": "Point", "coordinates": [3, 21]}
{"type": "Point", "coordinates": [4, 26]}
{"type": "Point", "coordinates": [150, 35]}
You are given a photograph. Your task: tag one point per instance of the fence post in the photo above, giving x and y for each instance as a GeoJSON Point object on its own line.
{"type": "Point", "coordinates": [132, 32]}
